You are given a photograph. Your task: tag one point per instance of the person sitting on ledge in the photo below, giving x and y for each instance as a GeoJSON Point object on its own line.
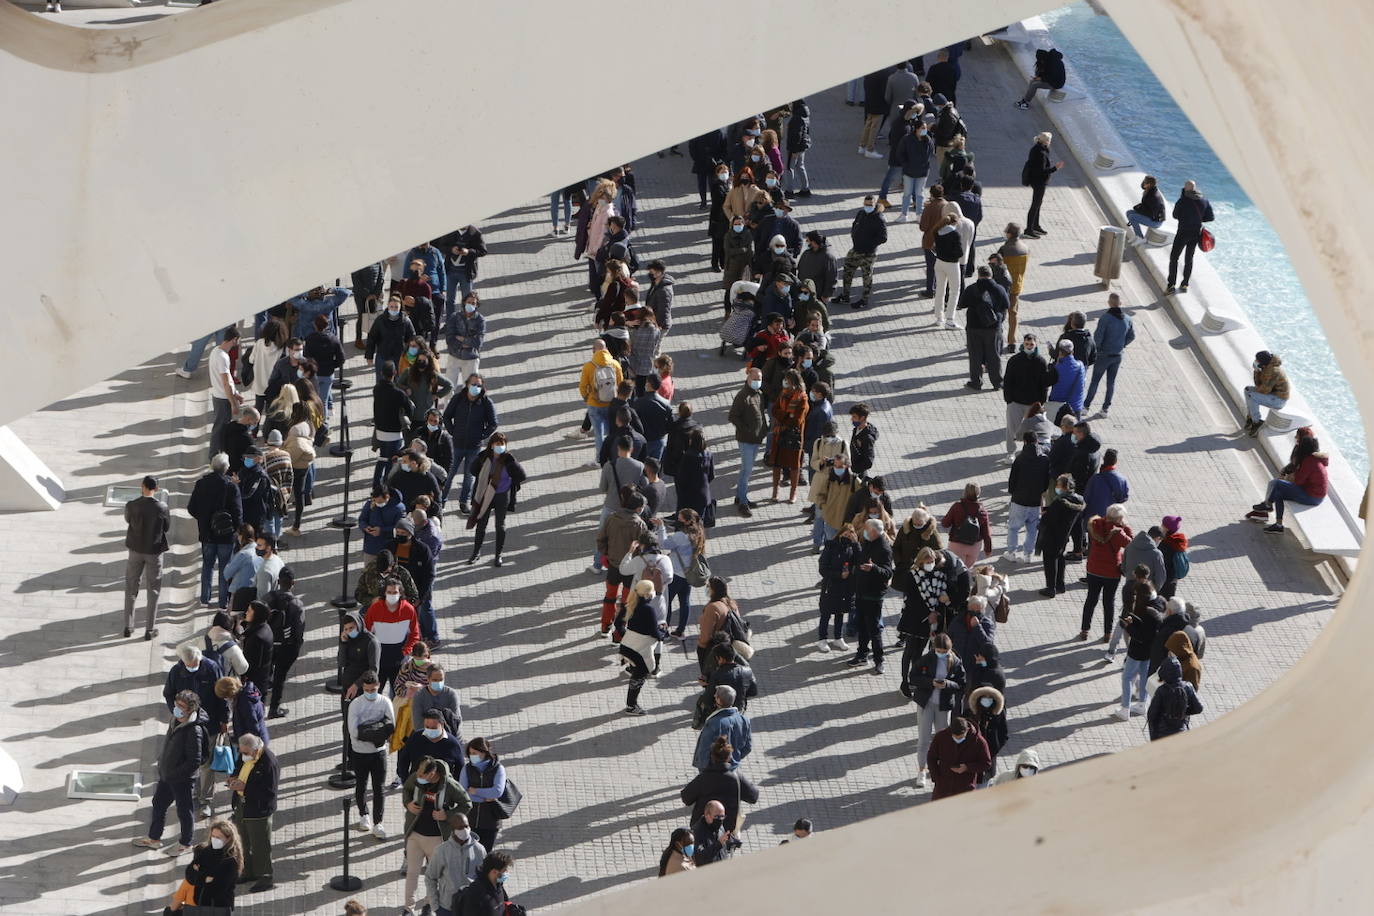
{"type": "Point", "coordinates": [1305, 483]}
{"type": "Point", "coordinates": [1270, 390]}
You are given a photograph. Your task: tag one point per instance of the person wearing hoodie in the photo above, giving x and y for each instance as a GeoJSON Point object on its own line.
{"type": "Point", "coordinates": [988, 715]}
{"type": "Point", "coordinates": [1108, 535]}
{"type": "Point", "coordinates": [184, 751]}
{"type": "Point", "coordinates": [1049, 75]}
{"type": "Point", "coordinates": [1039, 426]}
{"type": "Point", "coordinates": [1306, 485]}
{"type": "Point", "coordinates": [948, 246]}
{"type": "Point", "coordinates": [819, 264]}
{"type": "Point", "coordinates": [957, 756]}
{"type": "Point", "coordinates": [936, 687]}
{"type": "Point", "coordinates": [1181, 648]}
{"type": "Point", "coordinates": [395, 623]}
{"type": "Point", "coordinates": [1025, 381]}
{"type": "Point", "coordinates": [597, 386]}
{"type": "Point", "coordinates": [1197, 633]}
{"type": "Point", "coordinates": [1114, 334]}
{"type": "Point", "coordinates": [1027, 765]}
{"type": "Point", "coordinates": [1190, 211]}
{"type": "Point", "coordinates": [1142, 553]}
{"type": "Point", "coordinates": [415, 558]}
{"type": "Point", "coordinates": [1173, 702]}
{"type": "Point", "coordinates": [368, 759]}
{"type": "Point", "coordinates": [721, 783]}
{"type": "Point", "coordinates": [867, 234]}
{"type": "Point", "coordinates": [1083, 464]}
{"type": "Point", "coordinates": [1026, 485]}
{"type": "Point", "coordinates": [1151, 210]}
{"type": "Point", "coordinates": [1105, 487]}
{"type": "Point", "coordinates": [1269, 390]}
{"type": "Point", "coordinates": [378, 519]}
{"type": "Point", "coordinates": [1056, 524]}
{"type": "Point", "coordinates": [1066, 394]}
{"type": "Point", "coordinates": [1174, 549]}
{"type": "Point", "coordinates": [1036, 174]}
{"type": "Point", "coordinates": [1140, 621]}
{"type": "Point", "coordinates": [454, 864]}
{"type": "Point", "coordinates": [968, 526]}
{"type": "Point", "coordinates": [433, 801]}
{"type": "Point", "coordinates": [986, 303]}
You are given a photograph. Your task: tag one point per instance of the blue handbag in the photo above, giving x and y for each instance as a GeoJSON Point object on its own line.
{"type": "Point", "coordinates": [222, 757]}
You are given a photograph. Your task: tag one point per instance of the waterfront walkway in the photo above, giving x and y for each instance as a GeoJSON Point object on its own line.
{"type": "Point", "coordinates": [601, 790]}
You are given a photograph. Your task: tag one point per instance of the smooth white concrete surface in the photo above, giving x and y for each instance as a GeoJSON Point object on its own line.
{"type": "Point", "coordinates": [26, 483]}
{"type": "Point", "coordinates": [180, 175]}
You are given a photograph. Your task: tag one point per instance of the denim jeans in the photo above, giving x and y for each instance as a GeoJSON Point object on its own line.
{"type": "Point", "coordinates": [820, 531]}
{"type": "Point", "coordinates": [654, 448]}
{"type": "Point", "coordinates": [429, 624]}
{"type": "Point", "coordinates": [796, 166]}
{"type": "Point", "coordinates": [459, 275]}
{"type": "Point", "coordinates": [210, 556]}
{"type": "Point", "coordinates": [1136, 220]}
{"type": "Point", "coordinates": [1109, 363]}
{"type": "Point", "coordinates": [1137, 671]}
{"type": "Point", "coordinates": [324, 385]}
{"type": "Point", "coordinates": [913, 194]}
{"type": "Point", "coordinates": [748, 453]}
{"type": "Point", "coordinates": [1285, 490]}
{"type": "Point", "coordinates": [854, 91]}
{"type": "Point", "coordinates": [554, 199]}
{"type": "Point", "coordinates": [462, 464]}
{"type": "Point", "coordinates": [894, 172]}
{"type": "Point", "coordinates": [198, 349]}
{"type": "Point", "coordinates": [1018, 516]}
{"type": "Point", "coordinates": [1254, 400]}
{"type": "Point", "coordinates": [1035, 86]}
{"type": "Point", "coordinates": [600, 417]}
{"type": "Point", "coordinates": [681, 590]}
{"type": "Point", "coordinates": [384, 452]}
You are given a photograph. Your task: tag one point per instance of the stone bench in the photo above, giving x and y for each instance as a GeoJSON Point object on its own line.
{"type": "Point", "coordinates": [1325, 528]}
{"type": "Point", "coordinates": [1158, 237]}
{"type": "Point", "coordinates": [1057, 95]}
{"type": "Point", "coordinates": [1281, 420]}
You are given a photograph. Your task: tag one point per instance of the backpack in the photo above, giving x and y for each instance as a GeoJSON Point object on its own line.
{"type": "Point", "coordinates": [1026, 175]}
{"type": "Point", "coordinates": [603, 380]}
{"type": "Point", "coordinates": [698, 572]}
{"type": "Point", "coordinates": [1179, 564]}
{"type": "Point", "coordinates": [968, 531]}
{"type": "Point", "coordinates": [214, 655]}
{"type": "Point", "coordinates": [246, 367]}
{"type": "Point", "coordinates": [654, 575]}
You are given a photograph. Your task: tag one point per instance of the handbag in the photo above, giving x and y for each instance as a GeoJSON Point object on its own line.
{"type": "Point", "coordinates": [377, 732]}
{"type": "Point", "coordinates": [222, 757]}
{"type": "Point", "coordinates": [508, 802]}
{"type": "Point", "coordinates": [698, 572]}
{"type": "Point", "coordinates": [1207, 241]}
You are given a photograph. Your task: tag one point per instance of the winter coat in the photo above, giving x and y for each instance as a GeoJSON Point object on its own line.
{"type": "Point", "coordinates": [1083, 462]}
{"type": "Point", "coordinates": [870, 584]}
{"type": "Point", "coordinates": [326, 350]}
{"type": "Point", "coordinates": [868, 232]}
{"type": "Point", "coordinates": [1152, 205]}
{"type": "Point", "coordinates": [914, 153]}
{"type": "Point", "coordinates": [706, 151]}
{"type": "Point", "coordinates": [1142, 550]}
{"type": "Point", "coordinates": [358, 655]}
{"type": "Point", "coordinates": [388, 337]}
{"type": "Point", "coordinates": [392, 409]}
{"type": "Point", "coordinates": [384, 518]}
{"type": "Point", "coordinates": [618, 534]}
{"type": "Point", "coordinates": [1038, 167]}
{"type": "Point", "coordinates": [1172, 703]}
{"type": "Point", "coordinates": [659, 298]}
{"type": "Point", "coordinates": [907, 544]}
{"type": "Point", "coordinates": [1191, 211]}
{"type": "Point", "coordinates": [1181, 648]}
{"type": "Point", "coordinates": [875, 92]}
{"type": "Point", "coordinates": [1026, 379]}
{"type": "Point", "coordinates": [985, 302]}
{"type": "Point", "coordinates": [971, 634]}
{"type": "Point", "coordinates": [831, 492]}
{"type": "Point", "coordinates": [183, 750]}
{"type": "Point", "coordinates": [207, 863]}
{"type": "Point", "coordinates": [949, 245]}
{"type": "Point", "coordinates": [1069, 384]}
{"type": "Point", "coordinates": [1105, 487]}
{"type": "Point", "coordinates": [449, 797]}
{"type": "Point", "coordinates": [716, 783]}
{"type": "Point", "coordinates": [1106, 541]}
{"type": "Point", "coordinates": [1114, 332]}
{"type": "Point", "coordinates": [1027, 758]}
{"type": "Point", "coordinates": [932, 218]}
{"type": "Point", "coordinates": [453, 867]}
{"type": "Point", "coordinates": [1271, 379]}
{"type": "Point", "coordinates": [1049, 66]}
{"type": "Point", "coordinates": [438, 444]}
{"type": "Point", "coordinates": [202, 683]}
{"type": "Point", "coordinates": [259, 797]}
{"type": "Point", "coordinates": [470, 421]}
{"type": "Point", "coordinates": [821, 412]}
{"type": "Point", "coordinates": [945, 754]}
{"type": "Point", "coordinates": [1144, 620]}
{"type": "Point", "coordinates": [480, 898]}
{"type": "Point", "coordinates": [369, 587]}
{"type": "Point", "coordinates": [821, 268]}
{"type": "Point", "coordinates": [248, 715]}
{"type": "Point", "coordinates": [212, 493]}
{"type": "Point", "coordinates": [464, 334]}
{"type": "Point", "coordinates": [1030, 476]}
{"type": "Point", "coordinates": [1055, 523]}
{"type": "Point", "coordinates": [969, 508]}
{"type": "Point", "coordinates": [731, 723]}
{"type": "Point", "coordinates": [1311, 475]}
{"type": "Point", "coordinates": [799, 128]}
{"type": "Point", "coordinates": [678, 433]}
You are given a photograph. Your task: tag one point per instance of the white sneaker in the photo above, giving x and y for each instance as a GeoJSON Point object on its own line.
{"type": "Point", "coordinates": [576, 433]}
{"type": "Point", "coordinates": [921, 780]}
{"type": "Point", "coordinates": [363, 823]}
{"type": "Point", "coordinates": [1109, 657]}
{"type": "Point", "coordinates": [183, 373]}
{"type": "Point", "coordinates": [873, 154]}
{"type": "Point", "coordinates": [379, 831]}
{"type": "Point", "coordinates": [206, 810]}
{"type": "Point", "coordinates": [1121, 714]}
{"type": "Point", "coordinates": [902, 218]}
{"type": "Point", "coordinates": [823, 646]}
{"type": "Point", "coordinates": [593, 463]}
{"type": "Point", "coordinates": [862, 151]}
{"type": "Point", "coordinates": [1138, 708]}
{"type": "Point", "coordinates": [839, 645]}
{"type": "Point", "coordinates": [394, 784]}
{"type": "Point", "coordinates": [178, 849]}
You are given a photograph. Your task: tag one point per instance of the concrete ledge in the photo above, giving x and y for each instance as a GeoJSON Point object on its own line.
{"type": "Point", "coordinates": [1214, 319]}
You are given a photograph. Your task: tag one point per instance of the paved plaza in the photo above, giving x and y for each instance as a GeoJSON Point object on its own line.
{"type": "Point", "coordinates": [600, 790]}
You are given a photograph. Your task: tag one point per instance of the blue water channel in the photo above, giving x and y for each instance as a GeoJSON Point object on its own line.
{"type": "Point", "coordinates": [1249, 255]}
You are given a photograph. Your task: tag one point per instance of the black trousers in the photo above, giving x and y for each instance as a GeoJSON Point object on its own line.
{"type": "Point", "coordinates": [1033, 214]}
{"type": "Point", "coordinates": [1053, 561]}
{"type": "Point", "coordinates": [283, 657]}
{"type": "Point", "coordinates": [373, 767]}
{"type": "Point", "coordinates": [869, 611]}
{"type": "Point", "coordinates": [1187, 249]}
{"type": "Point", "coordinates": [1106, 588]}
{"type": "Point", "coordinates": [499, 504]}
{"type": "Point", "coordinates": [983, 352]}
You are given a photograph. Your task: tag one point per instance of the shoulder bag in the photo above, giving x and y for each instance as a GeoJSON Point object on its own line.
{"type": "Point", "coordinates": [510, 800]}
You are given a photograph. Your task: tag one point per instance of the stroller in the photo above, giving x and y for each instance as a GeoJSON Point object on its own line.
{"type": "Point", "coordinates": [736, 330]}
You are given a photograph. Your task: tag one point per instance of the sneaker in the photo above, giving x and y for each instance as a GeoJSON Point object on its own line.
{"type": "Point", "coordinates": [1109, 657]}
{"type": "Point", "coordinates": [1258, 515]}
{"type": "Point", "coordinates": [839, 645]}
{"type": "Point", "coordinates": [1047, 592]}
{"type": "Point", "coordinates": [147, 842]}
{"type": "Point", "coordinates": [1009, 349]}
{"type": "Point", "coordinates": [1262, 507]}
{"type": "Point", "coordinates": [463, 507]}
{"type": "Point", "coordinates": [394, 784]}
{"type": "Point", "coordinates": [804, 192]}
{"type": "Point", "coordinates": [863, 151]}
{"type": "Point", "coordinates": [1275, 528]}
{"type": "Point", "coordinates": [363, 823]}
{"type": "Point", "coordinates": [635, 710]}
{"type": "Point", "coordinates": [860, 304]}
{"type": "Point", "coordinates": [921, 780]}
{"type": "Point", "coordinates": [278, 713]}
{"type": "Point", "coordinates": [902, 218]}
{"type": "Point", "coordinates": [858, 660]}
{"type": "Point", "coordinates": [576, 433]}
{"type": "Point", "coordinates": [207, 810]}
{"type": "Point", "coordinates": [1138, 709]}
{"type": "Point", "coordinates": [904, 689]}
{"type": "Point", "coordinates": [878, 669]}
{"type": "Point", "coordinates": [744, 509]}
{"type": "Point", "coordinates": [180, 849]}
{"type": "Point", "coordinates": [1121, 715]}
{"type": "Point", "coordinates": [595, 570]}
{"type": "Point", "coordinates": [873, 154]}
{"type": "Point", "coordinates": [1024, 106]}
{"type": "Point", "coordinates": [379, 831]}
{"type": "Point", "coordinates": [974, 386]}
{"type": "Point", "coordinates": [182, 373]}
{"type": "Point", "coordinates": [1082, 636]}
{"type": "Point", "coordinates": [1183, 287]}
{"type": "Point", "coordinates": [591, 463]}
{"type": "Point", "coordinates": [841, 298]}
{"type": "Point", "coordinates": [1168, 290]}
{"type": "Point", "coordinates": [823, 646]}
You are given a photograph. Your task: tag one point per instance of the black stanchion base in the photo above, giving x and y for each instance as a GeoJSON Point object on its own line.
{"type": "Point", "coordinates": [345, 602]}
{"type": "Point", "coordinates": [344, 779]}
{"type": "Point", "coordinates": [348, 883]}
{"type": "Point", "coordinates": [333, 686]}
{"type": "Point", "coordinates": [341, 449]}
{"type": "Point", "coordinates": [345, 384]}
{"type": "Point", "coordinates": [344, 523]}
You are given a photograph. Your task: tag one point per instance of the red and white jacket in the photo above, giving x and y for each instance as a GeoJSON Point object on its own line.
{"type": "Point", "coordinates": [393, 627]}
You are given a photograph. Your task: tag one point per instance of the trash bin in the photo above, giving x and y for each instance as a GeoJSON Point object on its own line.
{"type": "Point", "coordinates": [1111, 247]}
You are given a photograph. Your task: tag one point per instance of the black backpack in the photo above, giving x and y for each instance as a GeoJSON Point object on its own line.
{"type": "Point", "coordinates": [969, 531]}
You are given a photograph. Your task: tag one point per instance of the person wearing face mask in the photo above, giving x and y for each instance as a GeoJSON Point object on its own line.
{"type": "Point", "coordinates": [433, 801]}
{"type": "Point", "coordinates": [486, 895]}
{"type": "Point", "coordinates": [423, 383]}
{"type": "Point", "coordinates": [940, 587]}
{"type": "Point", "coordinates": [750, 422]}
{"type": "Point", "coordinates": [464, 332]}
{"type": "Point", "coordinates": [867, 234]}
{"type": "Point", "coordinates": [185, 750]}
{"type": "Point", "coordinates": [718, 222]}
{"type": "Point", "coordinates": [830, 494]}
{"type": "Point", "coordinates": [707, 153]}
{"type": "Point", "coordinates": [1056, 524]}
{"type": "Point", "coordinates": [414, 475]}
{"type": "Point", "coordinates": [395, 623]}
{"type": "Point", "coordinates": [438, 443]}
{"type": "Point", "coordinates": [819, 265]}
{"type": "Point", "coordinates": [378, 519]}
{"type": "Point", "coordinates": [391, 413]}
{"type": "Point", "coordinates": [369, 716]}
{"type": "Point", "coordinates": [254, 794]}
{"type": "Point", "coordinates": [242, 570]}
{"type": "Point", "coordinates": [789, 421]}
{"type": "Point", "coordinates": [719, 781]}
{"type": "Point", "coordinates": [471, 419]}
{"type": "Point", "coordinates": [820, 423]}
{"type": "Point", "coordinates": [414, 557]}
{"type": "Point", "coordinates": [257, 645]}
{"type": "Point", "coordinates": [1027, 765]}
{"type": "Point", "coordinates": [912, 156]}
{"type": "Point", "coordinates": [271, 367]}
{"type": "Point", "coordinates": [258, 493]}
{"type": "Point", "coordinates": [1025, 381]}
{"type": "Point", "coordinates": [499, 478]}
{"type": "Point", "coordinates": [387, 340]}
{"type": "Point", "coordinates": [462, 251]}
{"type": "Point", "coordinates": [454, 864]}
{"type": "Point", "coordinates": [1015, 257]}
{"type": "Point", "coordinates": [988, 718]}
{"type": "Point", "coordinates": [937, 683]}
{"type": "Point", "coordinates": [773, 371]}
{"type": "Point", "coordinates": [322, 346]}
{"type": "Point", "coordinates": [738, 253]}
{"type": "Point", "coordinates": [1026, 484]}
{"type": "Point", "coordinates": [210, 879]}
{"type": "Point", "coordinates": [872, 575]}
{"type": "Point", "coordinates": [678, 856]}
{"type": "Point", "coordinates": [957, 756]}
{"type": "Point", "coordinates": [483, 777]}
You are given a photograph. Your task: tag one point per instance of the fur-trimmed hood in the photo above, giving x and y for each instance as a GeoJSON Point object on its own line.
{"type": "Point", "coordinates": [977, 695]}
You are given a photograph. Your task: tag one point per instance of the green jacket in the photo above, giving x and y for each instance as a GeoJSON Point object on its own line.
{"type": "Point", "coordinates": [370, 585]}
{"type": "Point", "coordinates": [450, 799]}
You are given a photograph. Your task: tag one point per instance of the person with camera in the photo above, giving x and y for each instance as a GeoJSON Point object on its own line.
{"type": "Point", "coordinates": [1140, 620]}
{"type": "Point", "coordinates": [713, 841]}
{"type": "Point", "coordinates": [371, 719]}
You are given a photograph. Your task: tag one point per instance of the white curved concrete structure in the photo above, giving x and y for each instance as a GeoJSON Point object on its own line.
{"type": "Point", "coordinates": [180, 173]}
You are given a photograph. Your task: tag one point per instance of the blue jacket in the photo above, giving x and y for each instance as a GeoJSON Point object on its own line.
{"type": "Point", "coordinates": [469, 422]}
{"type": "Point", "coordinates": [434, 266]}
{"type": "Point", "coordinates": [1068, 388]}
{"type": "Point", "coordinates": [1105, 487]}
{"type": "Point", "coordinates": [307, 308]}
{"type": "Point", "coordinates": [384, 518]}
{"type": "Point", "coordinates": [820, 413]}
{"type": "Point", "coordinates": [242, 568]}
{"type": "Point", "coordinates": [1114, 332]}
{"type": "Point", "coordinates": [732, 724]}
{"type": "Point", "coordinates": [464, 334]}
{"type": "Point", "coordinates": [913, 155]}
{"type": "Point", "coordinates": [249, 718]}
{"type": "Point", "coordinates": [202, 683]}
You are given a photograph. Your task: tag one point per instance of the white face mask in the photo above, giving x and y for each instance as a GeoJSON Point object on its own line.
{"type": "Point", "coordinates": [393, 600]}
{"type": "Point", "coordinates": [928, 567]}
{"type": "Point", "coordinates": [461, 834]}
{"type": "Point", "coordinates": [216, 842]}
{"type": "Point", "coordinates": [1023, 772]}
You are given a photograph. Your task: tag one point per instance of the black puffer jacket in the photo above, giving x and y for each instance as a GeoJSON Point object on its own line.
{"type": "Point", "coordinates": [799, 128]}
{"type": "Point", "coordinates": [1055, 523]}
{"type": "Point", "coordinates": [868, 232]}
{"type": "Point", "coordinates": [1030, 476]}
{"type": "Point", "coordinates": [1026, 379]}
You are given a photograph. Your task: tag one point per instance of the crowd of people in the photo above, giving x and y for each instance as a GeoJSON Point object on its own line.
{"type": "Point", "coordinates": [434, 422]}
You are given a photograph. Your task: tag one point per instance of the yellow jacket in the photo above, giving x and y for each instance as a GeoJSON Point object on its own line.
{"type": "Point", "coordinates": [586, 386]}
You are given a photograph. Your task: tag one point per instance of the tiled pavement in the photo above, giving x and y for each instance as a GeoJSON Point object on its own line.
{"type": "Point", "coordinates": [600, 791]}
